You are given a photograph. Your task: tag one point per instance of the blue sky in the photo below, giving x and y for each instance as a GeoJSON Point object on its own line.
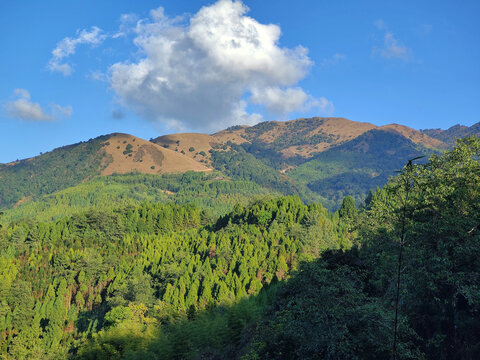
{"type": "Point", "coordinates": [73, 70]}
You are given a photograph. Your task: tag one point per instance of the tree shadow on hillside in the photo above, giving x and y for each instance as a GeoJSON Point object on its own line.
{"type": "Point", "coordinates": [219, 332]}
{"type": "Point", "coordinates": [323, 311]}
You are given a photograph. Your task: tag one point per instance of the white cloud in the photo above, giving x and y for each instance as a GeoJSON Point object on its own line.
{"type": "Point", "coordinates": [280, 101]}
{"type": "Point", "coordinates": [324, 106]}
{"type": "Point", "coordinates": [198, 74]}
{"type": "Point", "coordinates": [392, 48]}
{"type": "Point", "coordinates": [61, 111]}
{"type": "Point", "coordinates": [284, 101]}
{"type": "Point", "coordinates": [158, 14]}
{"type": "Point", "coordinates": [98, 75]}
{"type": "Point", "coordinates": [24, 109]}
{"type": "Point", "coordinates": [67, 47]}
{"type": "Point", "coordinates": [127, 22]}
{"type": "Point", "coordinates": [22, 93]}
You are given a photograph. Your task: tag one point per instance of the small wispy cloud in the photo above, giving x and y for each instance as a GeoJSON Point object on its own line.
{"type": "Point", "coordinates": [68, 45]}
{"type": "Point", "coordinates": [333, 60]}
{"type": "Point", "coordinates": [97, 75]}
{"type": "Point", "coordinates": [392, 47]}
{"type": "Point", "coordinates": [24, 109]}
{"type": "Point", "coordinates": [127, 25]}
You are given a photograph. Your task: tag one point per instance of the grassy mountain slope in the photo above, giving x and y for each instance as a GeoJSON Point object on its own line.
{"type": "Point", "coordinates": [292, 141]}
{"type": "Point", "coordinates": [358, 165]}
{"type": "Point", "coordinates": [242, 165]}
{"type": "Point", "coordinates": [417, 137]}
{"type": "Point", "coordinates": [194, 145]}
{"type": "Point", "coordinates": [55, 170]}
{"type": "Point", "coordinates": [300, 138]}
{"type": "Point", "coordinates": [126, 153]}
{"type": "Point", "coordinates": [70, 165]}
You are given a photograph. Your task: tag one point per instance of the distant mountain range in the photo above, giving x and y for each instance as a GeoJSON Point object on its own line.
{"type": "Point", "coordinates": [453, 133]}
{"type": "Point", "coordinates": [322, 159]}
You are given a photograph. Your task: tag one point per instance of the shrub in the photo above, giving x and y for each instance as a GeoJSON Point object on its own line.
{"type": "Point", "coordinates": [128, 149]}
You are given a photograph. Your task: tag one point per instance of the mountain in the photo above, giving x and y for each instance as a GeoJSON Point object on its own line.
{"type": "Point", "coordinates": [358, 165]}
{"type": "Point", "coordinates": [331, 157]}
{"type": "Point", "coordinates": [71, 165]}
{"type": "Point", "coordinates": [319, 159]}
{"type": "Point", "coordinates": [296, 138]}
{"type": "Point", "coordinates": [453, 133]}
{"type": "Point", "coordinates": [286, 143]}
{"type": "Point", "coordinates": [291, 142]}
{"type": "Point", "coordinates": [302, 139]}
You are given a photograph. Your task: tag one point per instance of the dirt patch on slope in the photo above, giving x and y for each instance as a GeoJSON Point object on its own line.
{"type": "Point", "coordinates": [192, 145]}
{"type": "Point", "coordinates": [126, 153]}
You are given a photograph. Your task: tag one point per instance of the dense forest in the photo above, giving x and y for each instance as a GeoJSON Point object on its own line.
{"type": "Point", "coordinates": [272, 278]}
{"type": "Point", "coordinates": [213, 192]}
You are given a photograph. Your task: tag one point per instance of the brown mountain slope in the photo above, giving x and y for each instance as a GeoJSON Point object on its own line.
{"type": "Point", "coordinates": [302, 138]}
{"type": "Point", "coordinates": [195, 146]}
{"type": "Point", "coordinates": [234, 134]}
{"type": "Point", "coordinates": [126, 153]}
{"type": "Point", "coordinates": [73, 164]}
{"type": "Point", "coordinates": [331, 132]}
{"type": "Point", "coordinates": [415, 136]}
{"type": "Point", "coordinates": [307, 137]}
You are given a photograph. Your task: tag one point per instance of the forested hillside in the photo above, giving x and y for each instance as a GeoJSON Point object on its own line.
{"type": "Point", "coordinates": [214, 192]}
{"type": "Point", "coordinates": [49, 172]}
{"type": "Point", "coordinates": [396, 278]}
{"type": "Point", "coordinates": [67, 283]}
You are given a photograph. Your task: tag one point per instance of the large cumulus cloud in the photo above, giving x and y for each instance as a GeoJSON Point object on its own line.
{"type": "Point", "coordinates": [203, 72]}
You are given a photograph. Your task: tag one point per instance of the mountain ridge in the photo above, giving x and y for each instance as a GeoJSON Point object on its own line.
{"type": "Point", "coordinates": [292, 157]}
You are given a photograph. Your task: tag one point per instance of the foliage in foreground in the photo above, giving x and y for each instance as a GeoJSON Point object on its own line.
{"type": "Point", "coordinates": [426, 225]}
{"type": "Point", "coordinates": [139, 270]}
